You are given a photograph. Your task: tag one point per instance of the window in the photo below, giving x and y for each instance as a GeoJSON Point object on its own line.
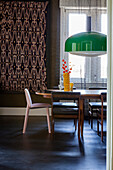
{"type": "Point", "coordinates": [84, 69]}
{"type": "Point", "coordinates": [76, 26]}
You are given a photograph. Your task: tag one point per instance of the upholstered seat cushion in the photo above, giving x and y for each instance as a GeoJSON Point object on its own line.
{"type": "Point", "coordinates": [65, 111]}
{"type": "Point", "coordinates": [64, 104]}
{"type": "Point", "coordinates": [97, 104]}
{"type": "Point", "coordinates": [39, 105]}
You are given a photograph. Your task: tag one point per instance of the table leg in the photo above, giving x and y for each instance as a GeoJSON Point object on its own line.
{"type": "Point", "coordinates": [82, 116]}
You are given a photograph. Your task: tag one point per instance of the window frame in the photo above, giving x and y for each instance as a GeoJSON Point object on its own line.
{"type": "Point", "coordinates": [92, 74]}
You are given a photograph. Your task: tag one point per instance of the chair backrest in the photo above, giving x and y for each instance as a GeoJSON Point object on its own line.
{"type": "Point", "coordinates": [103, 97]}
{"type": "Point", "coordinates": [97, 88]}
{"type": "Point", "coordinates": [28, 97]}
{"type": "Point", "coordinates": [65, 96]}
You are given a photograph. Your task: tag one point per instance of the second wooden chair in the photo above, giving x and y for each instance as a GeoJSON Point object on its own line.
{"type": "Point", "coordinates": [69, 110]}
{"type": "Point", "coordinates": [101, 114]}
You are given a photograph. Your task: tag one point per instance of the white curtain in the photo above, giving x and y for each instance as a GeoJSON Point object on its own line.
{"type": "Point", "coordinates": [82, 3]}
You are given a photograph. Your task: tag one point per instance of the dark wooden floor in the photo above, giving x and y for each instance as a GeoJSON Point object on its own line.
{"type": "Point", "coordinates": [37, 150]}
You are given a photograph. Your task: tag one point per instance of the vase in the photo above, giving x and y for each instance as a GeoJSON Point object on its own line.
{"type": "Point", "coordinates": [66, 79]}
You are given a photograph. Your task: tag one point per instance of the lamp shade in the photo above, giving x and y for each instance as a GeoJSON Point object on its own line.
{"type": "Point", "coordinates": [87, 44]}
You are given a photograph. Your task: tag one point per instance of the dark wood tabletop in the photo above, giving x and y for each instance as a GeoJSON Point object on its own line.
{"type": "Point", "coordinates": [85, 94]}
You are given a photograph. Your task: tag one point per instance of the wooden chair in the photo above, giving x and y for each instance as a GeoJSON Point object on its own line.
{"type": "Point", "coordinates": [31, 105]}
{"type": "Point", "coordinates": [69, 110]}
{"type": "Point", "coordinates": [101, 114]}
{"type": "Point", "coordinates": [94, 105]}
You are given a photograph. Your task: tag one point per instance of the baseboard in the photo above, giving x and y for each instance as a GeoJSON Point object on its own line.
{"type": "Point", "coordinates": [21, 111]}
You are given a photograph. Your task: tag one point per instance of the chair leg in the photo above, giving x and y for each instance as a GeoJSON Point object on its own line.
{"type": "Point", "coordinates": [53, 126]}
{"type": "Point", "coordinates": [78, 130]}
{"type": "Point", "coordinates": [102, 131]}
{"type": "Point", "coordinates": [102, 124]}
{"type": "Point", "coordinates": [52, 123]}
{"type": "Point", "coordinates": [89, 118]}
{"type": "Point", "coordinates": [92, 119]}
{"type": "Point", "coordinates": [97, 127]}
{"type": "Point", "coordinates": [48, 121]}
{"type": "Point", "coordinates": [75, 123]}
{"type": "Point", "coordinates": [26, 119]}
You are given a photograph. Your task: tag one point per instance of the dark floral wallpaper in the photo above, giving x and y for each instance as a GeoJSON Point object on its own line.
{"type": "Point", "coordinates": [23, 45]}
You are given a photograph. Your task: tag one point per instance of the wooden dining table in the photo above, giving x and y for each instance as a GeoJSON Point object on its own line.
{"type": "Point", "coordinates": [85, 94]}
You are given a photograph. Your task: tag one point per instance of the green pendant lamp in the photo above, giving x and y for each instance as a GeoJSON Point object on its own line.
{"type": "Point", "coordinates": [87, 44]}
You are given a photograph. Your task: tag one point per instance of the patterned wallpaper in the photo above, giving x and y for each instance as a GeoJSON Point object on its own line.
{"type": "Point", "coordinates": [23, 45]}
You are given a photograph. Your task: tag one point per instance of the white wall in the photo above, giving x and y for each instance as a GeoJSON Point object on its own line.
{"type": "Point", "coordinates": [110, 88]}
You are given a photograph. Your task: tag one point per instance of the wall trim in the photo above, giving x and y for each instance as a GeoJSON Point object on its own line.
{"type": "Point", "coordinates": [11, 111]}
